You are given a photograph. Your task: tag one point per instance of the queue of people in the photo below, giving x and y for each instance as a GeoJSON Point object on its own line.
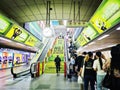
{"type": "Point", "coordinates": [96, 68]}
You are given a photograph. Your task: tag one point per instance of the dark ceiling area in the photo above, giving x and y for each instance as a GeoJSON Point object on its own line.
{"type": "Point", "coordinates": [34, 10]}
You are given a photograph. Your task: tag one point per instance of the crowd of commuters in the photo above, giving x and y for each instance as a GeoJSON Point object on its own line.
{"type": "Point", "coordinates": [96, 67]}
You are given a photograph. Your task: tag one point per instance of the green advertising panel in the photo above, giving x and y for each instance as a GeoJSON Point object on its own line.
{"type": "Point", "coordinates": [4, 24]}
{"type": "Point", "coordinates": [106, 16]}
{"type": "Point", "coordinates": [89, 33]}
{"type": "Point", "coordinates": [17, 33]}
{"type": "Point", "coordinates": [31, 41]}
{"type": "Point", "coordinates": [81, 40]}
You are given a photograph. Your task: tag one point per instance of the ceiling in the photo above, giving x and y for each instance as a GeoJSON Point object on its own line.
{"type": "Point", "coordinates": [33, 10]}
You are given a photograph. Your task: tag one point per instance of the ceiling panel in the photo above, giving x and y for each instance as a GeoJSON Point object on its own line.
{"type": "Point", "coordinates": [39, 1]}
{"type": "Point", "coordinates": [18, 2]}
{"type": "Point", "coordinates": [26, 10]}
{"type": "Point", "coordinates": [62, 9]}
{"type": "Point", "coordinates": [32, 10]}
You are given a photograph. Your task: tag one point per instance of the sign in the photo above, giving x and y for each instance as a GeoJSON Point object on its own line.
{"type": "Point", "coordinates": [72, 24]}
{"type": "Point", "coordinates": [35, 29]}
{"type": "Point", "coordinates": [106, 16]}
{"type": "Point", "coordinates": [17, 33]}
{"type": "Point", "coordinates": [31, 41]}
{"type": "Point", "coordinates": [4, 24]}
{"type": "Point", "coordinates": [89, 33]}
{"type": "Point", "coordinates": [81, 40]}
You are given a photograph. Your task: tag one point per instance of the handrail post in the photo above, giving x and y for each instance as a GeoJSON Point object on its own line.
{"type": "Point", "coordinates": [38, 69]}
{"type": "Point", "coordinates": [65, 69]}
{"type": "Point", "coordinates": [12, 72]}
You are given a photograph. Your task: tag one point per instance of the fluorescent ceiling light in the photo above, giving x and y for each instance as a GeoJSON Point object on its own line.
{"type": "Point", "coordinates": [48, 32]}
{"type": "Point", "coordinates": [5, 39]}
{"type": "Point", "coordinates": [65, 22]}
{"type": "Point", "coordinates": [85, 46]}
{"type": "Point", "coordinates": [118, 28]}
{"type": "Point", "coordinates": [91, 43]}
{"type": "Point", "coordinates": [112, 45]}
{"type": "Point", "coordinates": [20, 44]}
{"type": "Point", "coordinates": [103, 37]}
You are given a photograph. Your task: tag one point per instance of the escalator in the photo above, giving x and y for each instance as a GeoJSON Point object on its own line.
{"type": "Point", "coordinates": [28, 70]}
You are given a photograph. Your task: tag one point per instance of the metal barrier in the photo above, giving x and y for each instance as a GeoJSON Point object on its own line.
{"type": "Point", "coordinates": [35, 69]}
{"type": "Point", "coordinates": [65, 69]}
{"type": "Point", "coordinates": [16, 75]}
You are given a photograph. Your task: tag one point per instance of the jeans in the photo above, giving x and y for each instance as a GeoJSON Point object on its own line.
{"type": "Point", "coordinates": [87, 79]}
{"type": "Point", "coordinates": [99, 82]}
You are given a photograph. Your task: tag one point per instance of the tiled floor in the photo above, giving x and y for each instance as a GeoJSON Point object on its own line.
{"type": "Point", "coordinates": [44, 82]}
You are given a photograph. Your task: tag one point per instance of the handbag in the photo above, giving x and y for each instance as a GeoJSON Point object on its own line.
{"type": "Point", "coordinates": [83, 70]}
{"type": "Point", "coordinates": [80, 80]}
{"type": "Point", "coordinates": [107, 81]}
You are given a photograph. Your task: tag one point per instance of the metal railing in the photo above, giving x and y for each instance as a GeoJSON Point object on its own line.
{"type": "Point", "coordinates": [22, 73]}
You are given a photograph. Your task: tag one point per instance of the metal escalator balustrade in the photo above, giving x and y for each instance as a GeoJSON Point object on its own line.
{"type": "Point", "coordinates": [22, 73]}
{"type": "Point", "coordinates": [35, 69]}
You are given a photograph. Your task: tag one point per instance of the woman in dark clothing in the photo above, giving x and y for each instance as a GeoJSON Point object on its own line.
{"type": "Point", "coordinates": [115, 66]}
{"type": "Point", "coordinates": [89, 74]}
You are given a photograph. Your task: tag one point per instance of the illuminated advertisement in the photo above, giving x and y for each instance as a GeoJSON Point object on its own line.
{"type": "Point", "coordinates": [89, 33]}
{"type": "Point", "coordinates": [4, 60]}
{"type": "Point", "coordinates": [4, 24]}
{"type": "Point", "coordinates": [31, 41]}
{"type": "Point", "coordinates": [106, 16]}
{"type": "Point", "coordinates": [16, 33]}
{"type": "Point", "coordinates": [0, 59]}
{"type": "Point", "coordinates": [17, 59]}
{"type": "Point", "coordinates": [10, 59]}
{"type": "Point", "coordinates": [5, 57]}
{"type": "Point", "coordinates": [81, 40]}
{"type": "Point", "coordinates": [34, 28]}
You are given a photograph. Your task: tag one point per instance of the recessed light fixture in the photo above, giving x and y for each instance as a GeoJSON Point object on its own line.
{"type": "Point", "coordinates": [112, 45]}
{"type": "Point", "coordinates": [103, 37]}
{"type": "Point", "coordinates": [5, 39]}
{"type": "Point", "coordinates": [48, 32]}
{"type": "Point", "coordinates": [118, 28]}
{"type": "Point", "coordinates": [91, 43]}
{"type": "Point", "coordinates": [20, 44]}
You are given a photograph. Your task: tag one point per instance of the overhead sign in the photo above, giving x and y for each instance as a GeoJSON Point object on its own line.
{"type": "Point", "coordinates": [4, 24]}
{"type": "Point", "coordinates": [106, 16]}
{"type": "Point", "coordinates": [81, 24]}
{"type": "Point", "coordinates": [89, 33]}
{"type": "Point", "coordinates": [35, 29]}
{"type": "Point", "coordinates": [31, 41]}
{"type": "Point", "coordinates": [81, 40]}
{"type": "Point", "coordinates": [17, 33]}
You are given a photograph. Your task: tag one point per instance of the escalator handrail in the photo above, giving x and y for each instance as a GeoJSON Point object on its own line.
{"type": "Point", "coordinates": [31, 67]}
{"type": "Point", "coordinates": [33, 73]}
{"type": "Point", "coordinates": [16, 75]}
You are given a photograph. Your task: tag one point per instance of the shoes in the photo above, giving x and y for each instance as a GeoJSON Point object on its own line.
{"type": "Point", "coordinates": [58, 74]}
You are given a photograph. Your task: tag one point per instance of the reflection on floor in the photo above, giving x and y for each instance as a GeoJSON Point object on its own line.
{"type": "Point", "coordinates": [44, 82]}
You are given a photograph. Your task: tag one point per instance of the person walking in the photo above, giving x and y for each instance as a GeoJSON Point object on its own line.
{"type": "Point", "coordinates": [57, 61]}
{"type": "Point", "coordinates": [89, 74]}
{"type": "Point", "coordinates": [113, 66]}
{"type": "Point", "coordinates": [98, 66]}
